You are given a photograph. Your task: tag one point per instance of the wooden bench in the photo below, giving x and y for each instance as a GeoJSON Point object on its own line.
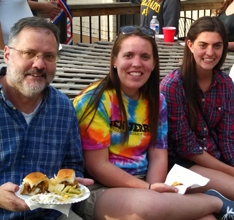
{"type": "Point", "coordinates": [82, 64]}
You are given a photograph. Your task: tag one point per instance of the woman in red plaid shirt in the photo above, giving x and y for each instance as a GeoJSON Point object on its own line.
{"type": "Point", "coordinates": [200, 101]}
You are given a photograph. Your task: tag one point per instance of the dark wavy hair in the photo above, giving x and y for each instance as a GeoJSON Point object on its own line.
{"type": "Point", "coordinates": [149, 91]}
{"type": "Point", "coordinates": [188, 67]}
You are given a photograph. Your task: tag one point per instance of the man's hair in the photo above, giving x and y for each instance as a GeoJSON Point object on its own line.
{"type": "Point", "coordinates": [32, 23]}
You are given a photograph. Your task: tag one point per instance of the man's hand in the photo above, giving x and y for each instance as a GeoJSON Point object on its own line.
{"type": "Point", "coordinates": [85, 181]}
{"type": "Point", "coordinates": [8, 199]}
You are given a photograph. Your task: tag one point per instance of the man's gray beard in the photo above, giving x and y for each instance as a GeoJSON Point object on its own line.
{"type": "Point", "coordinates": [31, 91]}
{"type": "Point", "coordinates": [25, 89]}
{"type": "Point", "coordinates": [17, 80]}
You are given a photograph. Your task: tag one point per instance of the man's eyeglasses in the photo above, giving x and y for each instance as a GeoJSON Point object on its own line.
{"type": "Point", "coordinates": [131, 29]}
{"type": "Point", "coordinates": [28, 55]}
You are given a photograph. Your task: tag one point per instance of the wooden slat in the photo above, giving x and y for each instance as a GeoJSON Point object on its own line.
{"type": "Point", "coordinates": [118, 8]}
{"type": "Point", "coordinates": [200, 4]}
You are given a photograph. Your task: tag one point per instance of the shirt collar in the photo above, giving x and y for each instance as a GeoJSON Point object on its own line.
{"type": "Point", "coordinates": [2, 96]}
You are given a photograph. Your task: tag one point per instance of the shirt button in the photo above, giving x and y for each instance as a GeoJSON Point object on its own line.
{"type": "Point", "coordinates": [200, 148]}
{"type": "Point", "coordinates": [204, 139]}
{"type": "Point", "coordinates": [219, 108]}
{"type": "Point", "coordinates": [205, 148]}
{"type": "Point", "coordinates": [23, 156]}
{"type": "Point", "coordinates": [204, 129]}
{"type": "Point", "coordinates": [203, 100]}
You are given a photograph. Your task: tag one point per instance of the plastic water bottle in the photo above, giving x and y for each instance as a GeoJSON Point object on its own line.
{"type": "Point", "coordinates": [154, 25]}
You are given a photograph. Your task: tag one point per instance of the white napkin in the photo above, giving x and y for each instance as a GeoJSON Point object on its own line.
{"type": "Point", "coordinates": [186, 177]}
{"type": "Point", "coordinates": [63, 208]}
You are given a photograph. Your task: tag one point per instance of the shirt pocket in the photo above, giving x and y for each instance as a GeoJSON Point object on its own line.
{"type": "Point", "coordinates": [214, 112]}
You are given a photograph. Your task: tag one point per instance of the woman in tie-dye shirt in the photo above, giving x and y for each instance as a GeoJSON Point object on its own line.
{"type": "Point", "coordinates": [124, 114]}
{"type": "Point", "coordinates": [107, 128]}
{"type": "Point", "coordinates": [123, 127]}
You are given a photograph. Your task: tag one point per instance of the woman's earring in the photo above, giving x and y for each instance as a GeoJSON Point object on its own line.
{"type": "Point", "coordinates": [114, 67]}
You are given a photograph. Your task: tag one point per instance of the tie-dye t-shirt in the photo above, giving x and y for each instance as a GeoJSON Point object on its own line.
{"type": "Point", "coordinates": [105, 129]}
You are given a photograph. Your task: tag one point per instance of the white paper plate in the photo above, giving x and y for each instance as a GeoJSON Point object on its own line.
{"type": "Point", "coordinates": [53, 199]}
{"type": "Point", "coordinates": [161, 36]}
{"type": "Point", "coordinates": [186, 177]}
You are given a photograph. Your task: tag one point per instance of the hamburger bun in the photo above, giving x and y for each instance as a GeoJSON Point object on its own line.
{"type": "Point", "coordinates": [67, 175]}
{"type": "Point", "coordinates": [35, 178]}
{"type": "Point", "coordinates": [34, 183]}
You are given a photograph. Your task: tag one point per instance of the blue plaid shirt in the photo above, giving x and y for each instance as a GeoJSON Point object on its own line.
{"type": "Point", "coordinates": [50, 142]}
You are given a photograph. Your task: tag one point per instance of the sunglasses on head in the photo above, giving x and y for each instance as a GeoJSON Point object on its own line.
{"type": "Point", "coordinates": [131, 29]}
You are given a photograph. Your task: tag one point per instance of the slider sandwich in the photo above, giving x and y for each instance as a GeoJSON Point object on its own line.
{"type": "Point", "coordinates": [64, 183]}
{"type": "Point", "coordinates": [34, 183]}
{"type": "Point", "coordinates": [67, 177]}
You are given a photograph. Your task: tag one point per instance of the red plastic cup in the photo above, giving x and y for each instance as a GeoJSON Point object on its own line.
{"type": "Point", "coordinates": [169, 33]}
